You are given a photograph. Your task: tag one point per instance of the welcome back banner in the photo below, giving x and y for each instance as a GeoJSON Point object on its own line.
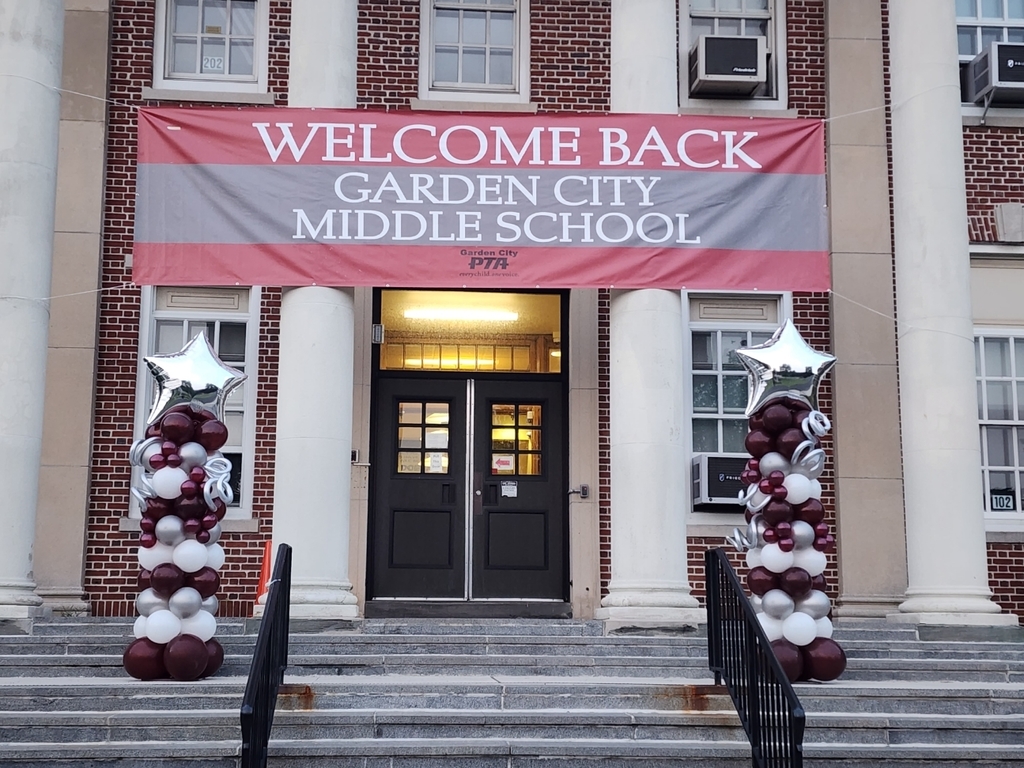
{"type": "Point", "coordinates": [330, 197]}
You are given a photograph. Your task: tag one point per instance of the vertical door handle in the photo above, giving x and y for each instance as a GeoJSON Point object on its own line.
{"type": "Point", "coordinates": [447, 493]}
{"type": "Point", "coordinates": [478, 496]}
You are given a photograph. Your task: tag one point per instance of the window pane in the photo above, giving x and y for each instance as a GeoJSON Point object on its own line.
{"type": "Point", "coordinates": [730, 5]}
{"type": "Point", "coordinates": [965, 8]}
{"type": "Point", "coordinates": [700, 27]}
{"type": "Point", "coordinates": [729, 26]}
{"type": "Point", "coordinates": [235, 478]}
{"type": "Point", "coordinates": [757, 5]}
{"type": "Point", "coordinates": [702, 5]}
{"type": "Point", "coordinates": [704, 352]}
{"type": "Point", "coordinates": [734, 433]}
{"type": "Point", "coordinates": [981, 412]}
{"type": "Point", "coordinates": [730, 343]}
{"type": "Point", "coordinates": [237, 397]}
{"type": "Point", "coordinates": [232, 342]}
{"type": "Point", "coordinates": [241, 57]}
{"type": "Point", "coordinates": [474, 27]}
{"type": "Point", "coordinates": [169, 336]}
{"type": "Point", "coordinates": [1000, 450]}
{"type": "Point", "coordinates": [734, 393]}
{"type": "Point", "coordinates": [759, 338]}
{"type": "Point", "coordinates": [1015, 35]}
{"type": "Point", "coordinates": [755, 27]}
{"type": "Point", "coordinates": [243, 18]}
{"type": "Point", "coordinates": [233, 421]}
{"type": "Point", "coordinates": [997, 357]}
{"type": "Point", "coordinates": [446, 27]}
{"type": "Point", "coordinates": [215, 17]}
{"type": "Point", "coordinates": [1000, 404]}
{"type": "Point", "coordinates": [213, 56]}
{"type": "Point", "coordinates": [501, 67]}
{"type": "Point", "coordinates": [989, 36]}
{"type": "Point", "coordinates": [705, 436]}
{"type": "Point", "coordinates": [977, 356]}
{"type": "Point", "coordinates": [1002, 495]}
{"type": "Point", "coordinates": [503, 29]}
{"type": "Point", "coordinates": [446, 65]}
{"type": "Point", "coordinates": [967, 40]}
{"type": "Point", "coordinates": [183, 57]}
{"type": "Point", "coordinates": [186, 16]}
{"type": "Point", "coordinates": [1015, 9]}
{"type": "Point", "coordinates": [991, 9]}
{"type": "Point", "coordinates": [473, 65]}
{"type": "Point", "coordinates": [705, 394]}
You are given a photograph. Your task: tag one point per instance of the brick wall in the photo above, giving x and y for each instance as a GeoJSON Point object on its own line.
{"type": "Point", "coordinates": [994, 170]}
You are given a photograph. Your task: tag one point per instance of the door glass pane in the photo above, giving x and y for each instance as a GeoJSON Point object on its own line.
{"type": "Point", "coordinates": [734, 433]}
{"type": "Point", "coordinates": [1000, 450]}
{"type": "Point", "coordinates": [410, 437]}
{"type": "Point", "coordinates": [521, 358]}
{"type": "Point", "coordinates": [705, 436]}
{"type": "Point", "coordinates": [705, 394]}
{"type": "Point", "coordinates": [410, 413]}
{"type": "Point", "coordinates": [997, 357]}
{"type": "Point", "coordinates": [529, 464]}
{"type": "Point", "coordinates": [503, 439]}
{"type": "Point", "coordinates": [529, 415]}
{"type": "Point", "coordinates": [408, 462]}
{"type": "Point", "coordinates": [437, 413]}
{"type": "Point", "coordinates": [1000, 405]}
{"type": "Point", "coordinates": [529, 440]}
{"type": "Point", "coordinates": [437, 438]}
{"type": "Point", "coordinates": [503, 414]}
{"type": "Point", "coordinates": [734, 393]}
{"type": "Point", "coordinates": [436, 463]}
{"type": "Point", "coordinates": [503, 463]}
{"type": "Point", "coordinates": [186, 16]}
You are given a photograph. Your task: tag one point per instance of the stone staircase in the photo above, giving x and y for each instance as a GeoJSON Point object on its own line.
{"type": "Point", "coordinates": [510, 693]}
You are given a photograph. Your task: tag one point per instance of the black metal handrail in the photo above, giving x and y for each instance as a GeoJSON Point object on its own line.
{"type": "Point", "coordinates": [740, 654]}
{"type": "Point", "coordinates": [269, 661]}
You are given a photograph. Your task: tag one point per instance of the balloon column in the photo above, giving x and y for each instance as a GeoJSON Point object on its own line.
{"type": "Point", "coordinates": [184, 492]}
{"type": "Point", "coordinates": [787, 538]}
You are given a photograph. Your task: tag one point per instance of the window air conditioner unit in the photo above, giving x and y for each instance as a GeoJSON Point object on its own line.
{"type": "Point", "coordinates": [716, 478]}
{"type": "Point", "coordinates": [728, 65]}
{"type": "Point", "coordinates": [996, 75]}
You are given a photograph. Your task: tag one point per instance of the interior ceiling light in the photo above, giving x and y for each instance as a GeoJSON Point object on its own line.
{"type": "Point", "coordinates": [469, 314]}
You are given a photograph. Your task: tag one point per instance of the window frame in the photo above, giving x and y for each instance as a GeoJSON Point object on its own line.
{"type": "Point", "coordinates": [164, 81]}
{"type": "Point", "coordinates": [777, 66]}
{"type": "Point", "coordinates": [478, 93]}
{"type": "Point", "coordinates": [249, 314]}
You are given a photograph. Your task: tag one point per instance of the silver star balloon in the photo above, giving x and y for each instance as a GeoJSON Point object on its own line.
{"type": "Point", "coordinates": [784, 366]}
{"type": "Point", "coordinates": [194, 376]}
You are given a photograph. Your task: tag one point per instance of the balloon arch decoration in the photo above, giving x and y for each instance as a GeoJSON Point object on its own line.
{"type": "Point", "coordinates": [786, 537]}
{"type": "Point", "coordinates": [182, 485]}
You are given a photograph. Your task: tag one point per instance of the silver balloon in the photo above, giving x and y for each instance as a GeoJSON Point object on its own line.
{"type": "Point", "coordinates": [211, 604]}
{"type": "Point", "coordinates": [815, 604]}
{"type": "Point", "coordinates": [773, 462]}
{"type": "Point", "coordinates": [803, 534]}
{"type": "Point", "coordinates": [170, 530]}
{"type": "Point", "coordinates": [777, 604]}
{"type": "Point", "coordinates": [215, 533]}
{"type": "Point", "coordinates": [149, 602]}
{"type": "Point", "coordinates": [192, 455]}
{"type": "Point", "coordinates": [185, 602]}
{"type": "Point", "coordinates": [194, 376]}
{"type": "Point", "coordinates": [784, 366]}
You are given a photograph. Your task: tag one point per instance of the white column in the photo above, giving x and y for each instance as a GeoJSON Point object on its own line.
{"type": "Point", "coordinates": [312, 491]}
{"type": "Point", "coordinates": [649, 582]}
{"type": "Point", "coordinates": [31, 39]}
{"type": "Point", "coordinates": [946, 552]}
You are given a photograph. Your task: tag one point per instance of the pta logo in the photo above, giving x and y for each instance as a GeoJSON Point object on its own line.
{"type": "Point", "coordinates": [487, 260]}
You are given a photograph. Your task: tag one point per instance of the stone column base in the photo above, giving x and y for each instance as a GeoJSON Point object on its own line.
{"type": "Point", "coordinates": [649, 617]}
{"type": "Point", "coordinates": [860, 607]}
{"type": "Point", "coordinates": [323, 602]}
{"type": "Point", "coordinates": [967, 608]}
{"type": "Point", "coordinates": [64, 601]}
{"type": "Point", "coordinates": [18, 601]}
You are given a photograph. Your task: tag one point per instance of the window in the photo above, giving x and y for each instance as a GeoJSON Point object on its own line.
{"type": "Point", "coordinates": [228, 317]}
{"type": "Point", "coordinates": [979, 23]}
{"type": "Point", "coordinates": [740, 18]}
{"type": "Point", "coordinates": [999, 369]}
{"type": "Point", "coordinates": [718, 327]}
{"type": "Point", "coordinates": [211, 45]}
{"type": "Point", "coordinates": [474, 50]}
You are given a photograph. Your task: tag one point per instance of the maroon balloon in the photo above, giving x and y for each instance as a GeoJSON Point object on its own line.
{"type": "Point", "coordinates": [203, 537]}
{"type": "Point", "coordinates": [147, 540]}
{"type": "Point", "coordinates": [777, 478]}
{"type": "Point", "coordinates": [168, 447]}
{"type": "Point", "coordinates": [208, 521]}
{"type": "Point", "coordinates": [186, 657]}
{"type": "Point", "coordinates": [788, 440]}
{"type": "Point", "coordinates": [192, 526]}
{"type": "Point", "coordinates": [205, 581]}
{"type": "Point", "coordinates": [754, 465]}
{"type": "Point", "coordinates": [189, 489]}
{"type": "Point", "coordinates": [193, 508]}
{"type": "Point", "coordinates": [785, 530]}
{"type": "Point", "coordinates": [157, 461]}
{"type": "Point", "coordinates": [144, 582]}
{"type": "Point", "coordinates": [790, 659]}
{"type": "Point", "coordinates": [153, 430]}
{"type": "Point", "coordinates": [770, 536]}
{"type": "Point", "coordinates": [795, 582]}
{"type": "Point", "coordinates": [821, 529]}
{"type": "Point", "coordinates": [212, 435]}
{"type": "Point", "coordinates": [824, 658]}
{"type": "Point", "coordinates": [167, 578]}
{"type": "Point", "coordinates": [758, 443]}
{"type": "Point", "coordinates": [779, 493]}
{"type": "Point", "coordinates": [144, 660]}
{"type": "Point", "coordinates": [220, 509]}
{"type": "Point", "coordinates": [177, 428]}
{"type": "Point", "coordinates": [811, 512]}
{"type": "Point", "coordinates": [147, 525]}
{"type": "Point", "coordinates": [760, 580]}
{"type": "Point", "coordinates": [174, 460]}
{"type": "Point", "coordinates": [787, 545]}
{"type": "Point", "coordinates": [776, 418]}
{"type": "Point", "coordinates": [755, 422]}
{"type": "Point", "coordinates": [798, 418]}
{"type": "Point", "coordinates": [215, 656]}
{"type": "Point", "coordinates": [765, 486]}
{"type": "Point", "coordinates": [818, 582]}
{"type": "Point", "coordinates": [749, 476]}
{"type": "Point", "coordinates": [197, 474]}
{"type": "Point", "coordinates": [777, 512]}
{"type": "Point", "coordinates": [820, 543]}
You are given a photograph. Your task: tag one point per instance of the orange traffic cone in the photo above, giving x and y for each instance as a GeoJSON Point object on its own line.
{"type": "Point", "coordinates": [261, 588]}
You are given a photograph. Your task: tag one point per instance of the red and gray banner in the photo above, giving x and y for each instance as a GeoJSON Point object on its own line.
{"type": "Point", "coordinates": [331, 197]}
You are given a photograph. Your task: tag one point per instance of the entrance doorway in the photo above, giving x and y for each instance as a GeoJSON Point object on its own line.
{"type": "Point", "coordinates": [469, 509]}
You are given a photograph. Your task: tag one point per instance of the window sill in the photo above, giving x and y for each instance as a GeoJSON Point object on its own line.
{"type": "Point", "coordinates": [738, 109]}
{"type": "Point", "coordinates": [438, 105]}
{"type": "Point", "coordinates": [997, 117]}
{"type": "Point", "coordinates": [228, 525]}
{"type": "Point", "coordinates": [213, 97]}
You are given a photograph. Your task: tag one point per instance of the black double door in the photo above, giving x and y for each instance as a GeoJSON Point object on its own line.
{"type": "Point", "coordinates": [469, 491]}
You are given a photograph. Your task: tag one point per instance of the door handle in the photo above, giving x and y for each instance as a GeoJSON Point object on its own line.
{"type": "Point", "coordinates": [447, 493]}
{"type": "Point", "coordinates": [478, 495]}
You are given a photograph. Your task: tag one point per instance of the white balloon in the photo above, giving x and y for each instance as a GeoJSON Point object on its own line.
{"type": "Point", "coordinates": [815, 489]}
{"type": "Point", "coordinates": [772, 462]}
{"type": "Point", "coordinates": [772, 627]}
{"type": "Point", "coordinates": [167, 482]}
{"type": "Point", "coordinates": [192, 455]}
{"type": "Point", "coordinates": [139, 630]}
{"type": "Point", "coordinates": [811, 560]}
{"type": "Point", "coordinates": [190, 555]}
{"type": "Point", "coordinates": [775, 560]}
{"type": "Point", "coordinates": [203, 625]}
{"type": "Point", "coordinates": [824, 627]}
{"type": "Point", "coordinates": [799, 629]}
{"type": "Point", "coordinates": [215, 556]}
{"type": "Point", "coordinates": [755, 603]}
{"type": "Point", "coordinates": [148, 454]}
{"type": "Point", "coordinates": [753, 557]}
{"type": "Point", "coordinates": [150, 558]}
{"type": "Point", "coordinates": [162, 627]}
{"type": "Point", "coordinates": [799, 488]}
{"type": "Point", "coordinates": [170, 530]}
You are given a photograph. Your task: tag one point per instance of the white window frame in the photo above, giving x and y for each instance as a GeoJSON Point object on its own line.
{"type": "Point", "coordinates": [163, 81]}
{"type": "Point", "coordinates": [249, 313]}
{"type": "Point", "coordinates": [777, 69]}
{"type": "Point", "coordinates": [784, 307]}
{"type": "Point", "coordinates": [478, 93]}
